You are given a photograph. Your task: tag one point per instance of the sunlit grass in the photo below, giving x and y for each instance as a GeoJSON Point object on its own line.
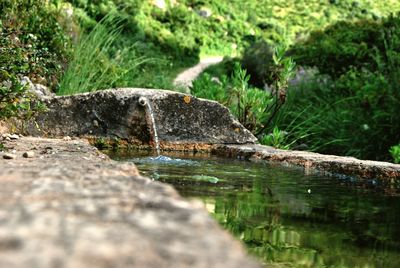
{"type": "Point", "coordinates": [96, 63]}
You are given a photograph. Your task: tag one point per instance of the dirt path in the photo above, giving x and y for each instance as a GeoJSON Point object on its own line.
{"type": "Point", "coordinates": [185, 78]}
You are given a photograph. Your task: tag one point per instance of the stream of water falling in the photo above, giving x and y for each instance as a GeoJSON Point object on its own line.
{"type": "Point", "coordinates": [153, 125]}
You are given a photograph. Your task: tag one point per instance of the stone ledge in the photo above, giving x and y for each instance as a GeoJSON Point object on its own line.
{"type": "Point", "coordinates": [126, 114]}
{"type": "Point", "coordinates": [389, 173]}
{"type": "Point", "coordinates": [71, 206]}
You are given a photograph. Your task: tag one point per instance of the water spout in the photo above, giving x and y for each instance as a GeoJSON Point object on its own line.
{"type": "Point", "coordinates": [145, 103]}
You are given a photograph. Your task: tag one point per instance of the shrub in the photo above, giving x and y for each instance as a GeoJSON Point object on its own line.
{"type": "Point", "coordinates": [346, 45]}
{"type": "Point", "coordinates": [33, 44]}
{"type": "Point", "coordinates": [11, 92]}
{"type": "Point", "coordinates": [212, 89]}
{"type": "Point", "coordinates": [32, 41]}
{"type": "Point", "coordinates": [247, 103]}
{"type": "Point", "coordinates": [253, 107]}
{"type": "Point", "coordinates": [15, 101]}
{"type": "Point", "coordinates": [277, 139]}
{"type": "Point", "coordinates": [257, 60]}
{"type": "Point", "coordinates": [356, 111]}
{"type": "Point", "coordinates": [395, 152]}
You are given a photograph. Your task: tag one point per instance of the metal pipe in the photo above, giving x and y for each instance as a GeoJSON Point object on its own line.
{"type": "Point", "coordinates": [142, 101]}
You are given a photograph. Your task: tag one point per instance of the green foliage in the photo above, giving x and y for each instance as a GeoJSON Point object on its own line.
{"type": "Point", "coordinates": [179, 29]}
{"type": "Point", "coordinates": [140, 35]}
{"type": "Point", "coordinates": [346, 45]}
{"type": "Point", "coordinates": [315, 116]}
{"type": "Point", "coordinates": [276, 138]}
{"type": "Point", "coordinates": [253, 107]}
{"type": "Point", "coordinates": [208, 88]}
{"type": "Point", "coordinates": [257, 60]}
{"type": "Point", "coordinates": [32, 41]}
{"type": "Point", "coordinates": [96, 63]}
{"type": "Point", "coordinates": [101, 144]}
{"type": "Point", "coordinates": [15, 101]}
{"type": "Point", "coordinates": [395, 152]}
{"type": "Point", "coordinates": [282, 71]}
{"type": "Point", "coordinates": [11, 93]}
{"type": "Point", "coordinates": [360, 104]}
{"type": "Point", "coordinates": [248, 104]}
{"type": "Point", "coordinates": [33, 44]}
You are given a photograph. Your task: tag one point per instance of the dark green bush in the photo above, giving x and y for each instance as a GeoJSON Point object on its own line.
{"type": "Point", "coordinates": [346, 45]}
{"type": "Point", "coordinates": [257, 60]}
{"type": "Point", "coordinates": [357, 111]}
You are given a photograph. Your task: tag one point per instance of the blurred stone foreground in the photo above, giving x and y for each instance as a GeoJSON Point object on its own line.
{"type": "Point", "coordinates": [68, 205]}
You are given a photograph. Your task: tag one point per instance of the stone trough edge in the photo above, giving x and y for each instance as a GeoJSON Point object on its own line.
{"type": "Point", "coordinates": [389, 173]}
{"type": "Point", "coordinates": [172, 231]}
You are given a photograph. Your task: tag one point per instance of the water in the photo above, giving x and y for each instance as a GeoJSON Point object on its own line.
{"type": "Point", "coordinates": [286, 218]}
{"type": "Point", "coordinates": [150, 114]}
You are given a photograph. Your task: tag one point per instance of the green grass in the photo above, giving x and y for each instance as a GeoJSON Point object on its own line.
{"type": "Point", "coordinates": [96, 63]}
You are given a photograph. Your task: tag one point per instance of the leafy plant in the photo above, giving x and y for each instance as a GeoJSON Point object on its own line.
{"type": "Point", "coordinates": [283, 70]}
{"type": "Point", "coordinates": [277, 139]}
{"type": "Point", "coordinates": [248, 104]}
{"type": "Point", "coordinates": [395, 152]}
{"type": "Point", "coordinates": [11, 91]}
{"type": "Point", "coordinates": [32, 41]}
{"type": "Point", "coordinates": [15, 101]}
{"type": "Point", "coordinates": [101, 144]}
{"type": "Point", "coordinates": [207, 87]}
{"type": "Point", "coordinates": [245, 102]}
{"type": "Point", "coordinates": [33, 44]}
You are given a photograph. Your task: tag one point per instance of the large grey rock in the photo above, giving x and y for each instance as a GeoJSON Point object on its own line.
{"type": "Point", "coordinates": [73, 207]}
{"type": "Point", "coordinates": [179, 118]}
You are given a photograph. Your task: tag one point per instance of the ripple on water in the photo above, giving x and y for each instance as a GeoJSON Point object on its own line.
{"type": "Point", "coordinates": [165, 160]}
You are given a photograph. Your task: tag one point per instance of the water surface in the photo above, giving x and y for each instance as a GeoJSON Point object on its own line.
{"type": "Point", "coordinates": [287, 218]}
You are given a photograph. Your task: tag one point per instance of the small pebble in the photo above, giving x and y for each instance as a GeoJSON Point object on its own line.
{"type": "Point", "coordinates": [9, 156]}
{"type": "Point", "coordinates": [28, 154]}
{"type": "Point", "coordinates": [14, 137]}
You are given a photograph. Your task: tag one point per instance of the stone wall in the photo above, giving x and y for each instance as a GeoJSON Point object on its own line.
{"type": "Point", "coordinates": [117, 113]}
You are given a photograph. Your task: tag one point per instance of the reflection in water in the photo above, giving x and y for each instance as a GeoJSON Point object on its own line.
{"type": "Point", "coordinates": [286, 218]}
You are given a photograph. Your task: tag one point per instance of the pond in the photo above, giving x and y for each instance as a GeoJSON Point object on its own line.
{"type": "Point", "coordinates": [285, 217]}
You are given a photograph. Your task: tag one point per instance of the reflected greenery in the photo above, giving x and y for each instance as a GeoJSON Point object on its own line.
{"type": "Point", "coordinates": [287, 218]}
